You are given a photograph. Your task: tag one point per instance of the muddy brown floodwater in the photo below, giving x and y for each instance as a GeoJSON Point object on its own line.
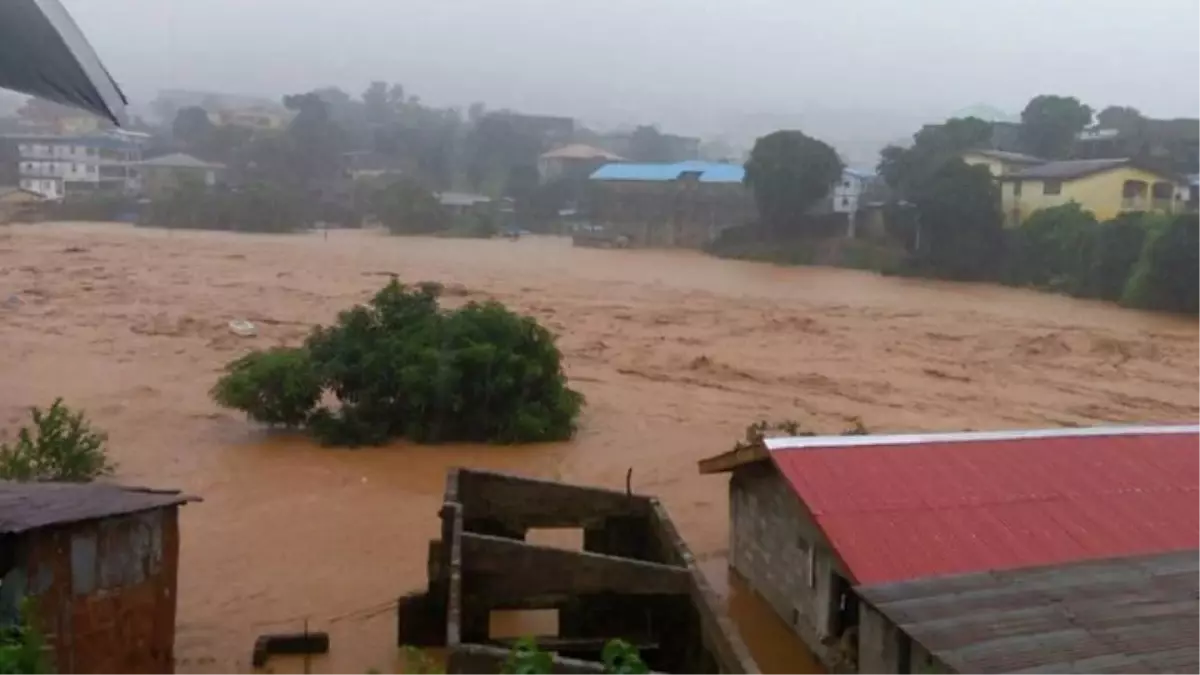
{"type": "Point", "coordinates": [676, 353]}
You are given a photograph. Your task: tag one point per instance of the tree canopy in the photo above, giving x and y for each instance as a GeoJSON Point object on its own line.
{"type": "Point", "coordinates": [789, 172]}
{"type": "Point", "coordinates": [1049, 124]}
{"type": "Point", "coordinates": [906, 169]}
{"type": "Point", "coordinates": [959, 220]}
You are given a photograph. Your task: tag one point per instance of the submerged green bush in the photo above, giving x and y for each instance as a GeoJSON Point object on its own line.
{"type": "Point", "coordinates": [275, 386]}
{"type": "Point", "coordinates": [402, 367]}
{"type": "Point", "coordinates": [61, 446]}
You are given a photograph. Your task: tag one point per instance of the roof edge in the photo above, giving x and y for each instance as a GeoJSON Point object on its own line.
{"type": "Point", "coordinates": [732, 459]}
{"type": "Point", "coordinates": [802, 442]}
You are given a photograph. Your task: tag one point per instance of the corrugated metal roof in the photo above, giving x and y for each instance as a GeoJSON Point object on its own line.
{"type": "Point", "coordinates": [710, 172]}
{"type": "Point", "coordinates": [1125, 615]}
{"type": "Point", "coordinates": [28, 506]}
{"type": "Point", "coordinates": [916, 508]}
{"type": "Point", "coordinates": [582, 151]}
{"type": "Point", "coordinates": [1066, 170]}
{"type": "Point", "coordinates": [179, 160]}
{"type": "Point", "coordinates": [1006, 156]}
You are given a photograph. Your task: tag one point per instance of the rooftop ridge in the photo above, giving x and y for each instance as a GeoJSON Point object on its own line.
{"type": "Point", "coordinates": [801, 442]}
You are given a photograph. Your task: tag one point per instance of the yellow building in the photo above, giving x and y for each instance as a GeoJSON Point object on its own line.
{"type": "Point", "coordinates": [1001, 163]}
{"type": "Point", "coordinates": [251, 118]}
{"type": "Point", "coordinates": [1106, 187]}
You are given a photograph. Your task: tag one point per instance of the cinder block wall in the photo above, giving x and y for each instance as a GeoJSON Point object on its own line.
{"type": "Point", "coordinates": [777, 549]}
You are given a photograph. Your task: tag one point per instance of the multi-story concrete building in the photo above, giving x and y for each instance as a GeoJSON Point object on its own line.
{"type": "Point", "coordinates": [56, 166]}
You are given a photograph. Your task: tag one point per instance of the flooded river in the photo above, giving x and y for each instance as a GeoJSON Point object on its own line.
{"type": "Point", "coordinates": [676, 353]}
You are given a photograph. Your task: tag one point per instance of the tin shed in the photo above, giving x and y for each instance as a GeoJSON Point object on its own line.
{"type": "Point", "coordinates": [99, 565]}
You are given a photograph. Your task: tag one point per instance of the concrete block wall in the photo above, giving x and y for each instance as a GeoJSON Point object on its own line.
{"type": "Point", "coordinates": [778, 550]}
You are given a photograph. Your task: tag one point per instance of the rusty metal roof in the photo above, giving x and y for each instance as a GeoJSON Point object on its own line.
{"type": "Point", "coordinates": [28, 506]}
{"type": "Point", "coordinates": [1118, 615]}
{"type": "Point", "coordinates": [904, 507]}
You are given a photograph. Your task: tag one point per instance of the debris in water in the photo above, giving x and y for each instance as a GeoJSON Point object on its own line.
{"type": "Point", "coordinates": [242, 328]}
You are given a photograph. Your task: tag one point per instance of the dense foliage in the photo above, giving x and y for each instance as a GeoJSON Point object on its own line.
{"type": "Point", "coordinates": [256, 207]}
{"type": "Point", "coordinates": [789, 172]}
{"type": "Point", "coordinates": [1052, 249]}
{"type": "Point", "coordinates": [959, 222]}
{"type": "Point", "coordinates": [1164, 277]}
{"type": "Point", "coordinates": [404, 206]}
{"type": "Point", "coordinates": [906, 170]}
{"type": "Point", "coordinates": [1049, 124]}
{"type": "Point", "coordinates": [402, 367]}
{"type": "Point", "coordinates": [61, 446]}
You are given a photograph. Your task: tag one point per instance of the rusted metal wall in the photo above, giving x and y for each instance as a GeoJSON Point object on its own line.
{"type": "Point", "coordinates": [103, 591]}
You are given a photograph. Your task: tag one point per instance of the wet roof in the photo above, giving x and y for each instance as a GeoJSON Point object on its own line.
{"type": "Point", "coordinates": [581, 151]}
{"type": "Point", "coordinates": [1069, 169]}
{"type": "Point", "coordinates": [1123, 615]}
{"type": "Point", "coordinates": [29, 506]}
{"type": "Point", "coordinates": [179, 160]}
{"type": "Point", "coordinates": [912, 506]}
{"type": "Point", "coordinates": [710, 172]}
{"type": "Point", "coordinates": [1006, 156]}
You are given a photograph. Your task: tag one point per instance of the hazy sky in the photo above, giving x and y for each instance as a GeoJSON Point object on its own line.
{"type": "Point", "coordinates": [691, 63]}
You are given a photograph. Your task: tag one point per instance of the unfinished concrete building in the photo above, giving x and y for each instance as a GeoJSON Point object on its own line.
{"type": "Point", "coordinates": [816, 522]}
{"type": "Point", "coordinates": [634, 579]}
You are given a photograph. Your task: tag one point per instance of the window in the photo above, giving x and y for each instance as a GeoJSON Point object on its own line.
{"type": "Point", "coordinates": [845, 201]}
{"type": "Point", "coordinates": [1052, 187]}
{"type": "Point", "coordinates": [845, 183]}
{"type": "Point", "coordinates": [1016, 188]}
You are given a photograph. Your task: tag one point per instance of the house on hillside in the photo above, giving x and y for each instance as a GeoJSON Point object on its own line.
{"type": "Point", "coordinates": [257, 118]}
{"type": "Point", "coordinates": [812, 519]}
{"type": "Point", "coordinates": [686, 204]}
{"type": "Point", "coordinates": [1174, 143]}
{"type": "Point", "coordinates": [99, 564]}
{"type": "Point", "coordinates": [58, 166]}
{"type": "Point", "coordinates": [1106, 187]}
{"type": "Point", "coordinates": [162, 175]}
{"type": "Point", "coordinates": [1000, 162]}
{"type": "Point", "coordinates": [573, 162]}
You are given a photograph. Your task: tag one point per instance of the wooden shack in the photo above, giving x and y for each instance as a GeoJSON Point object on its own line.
{"type": "Point", "coordinates": [98, 564]}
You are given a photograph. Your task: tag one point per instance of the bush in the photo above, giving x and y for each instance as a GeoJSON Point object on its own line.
{"type": "Point", "coordinates": [257, 207]}
{"type": "Point", "coordinates": [1115, 248]}
{"type": "Point", "coordinates": [402, 367]}
{"type": "Point", "coordinates": [22, 647]}
{"type": "Point", "coordinates": [276, 386]}
{"type": "Point", "coordinates": [61, 447]}
{"type": "Point", "coordinates": [1052, 249]}
{"type": "Point", "coordinates": [1164, 277]}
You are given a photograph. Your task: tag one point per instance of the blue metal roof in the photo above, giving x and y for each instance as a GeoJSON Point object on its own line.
{"type": "Point", "coordinates": [710, 172]}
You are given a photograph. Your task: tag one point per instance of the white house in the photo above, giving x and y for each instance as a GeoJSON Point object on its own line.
{"type": "Point", "coordinates": [55, 165]}
{"type": "Point", "coordinates": [847, 193]}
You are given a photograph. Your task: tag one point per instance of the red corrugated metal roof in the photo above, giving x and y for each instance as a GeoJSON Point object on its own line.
{"type": "Point", "coordinates": [912, 510]}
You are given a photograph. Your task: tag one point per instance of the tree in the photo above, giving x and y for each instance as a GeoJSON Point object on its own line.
{"type": "Point", "coordinates": [959, 221]}
{"type": "Point", "coordinates": [1122, 118]}
{"type": "Point", "coordinates": [192, 127]}
{"type": "Point", "coordinates": [62, 446]}
{"type": "Point", "coordinates": [494, 147]}
{"type": "Point", "coordinates": [789, 172]}
{"type": "Point", "coordinates": [905, 169]}
{"type": "Point", "coordinates": [404, 206]}
{"type": "Point", "coordinates": [647, 144]}
{"type": "Point", "coordinates": [1049, 124]}
{"type": "Point", "coordinates": [401, 366]}
{"type": "Point", "coordinates": [375, 99]}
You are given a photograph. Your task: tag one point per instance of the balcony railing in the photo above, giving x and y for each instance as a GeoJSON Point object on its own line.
{"type": "Point", "coordinates": [1134, 204]}
{"type": "Point", "coordinates": [1161, 204]}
